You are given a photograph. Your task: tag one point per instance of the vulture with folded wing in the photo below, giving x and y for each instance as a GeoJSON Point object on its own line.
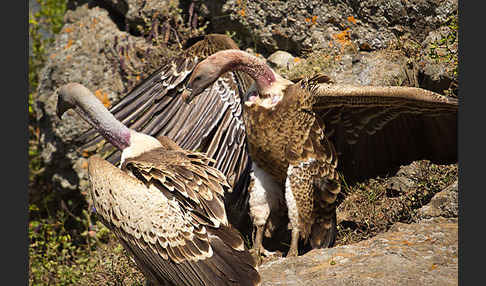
{"type": "Point", "coordinates": [155, 107]}
{"type": "Point", "coordinates": [301, 135]}
{"type": "Point", "coordinates": [164, 204]}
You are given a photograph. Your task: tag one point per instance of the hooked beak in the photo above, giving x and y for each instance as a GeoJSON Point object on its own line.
{"type": "Point", "coordinates": [61, 107]}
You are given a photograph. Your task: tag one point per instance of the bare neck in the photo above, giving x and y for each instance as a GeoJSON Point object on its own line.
{"type": "Point", "coordinates": [237, 60]}
{"type": "Point", "coordinates": [96, 114]}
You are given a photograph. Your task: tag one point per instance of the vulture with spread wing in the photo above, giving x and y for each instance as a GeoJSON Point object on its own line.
{"type": "Point", "coordinates": [300, 135]}
{"type": "Point", "coordinates": [164, 204]}
{"type": "Point", "coordinates": [213, 125]}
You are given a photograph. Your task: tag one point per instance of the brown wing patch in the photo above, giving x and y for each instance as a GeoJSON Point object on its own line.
{"type": "Point", "coordinates": [166, 239]}
{"type": "Point", "coordinates": [145, 213]}
{"type": "Point", "coordinates": [188, 178]}
{"type": "Point", "coordinates": [377, 129]}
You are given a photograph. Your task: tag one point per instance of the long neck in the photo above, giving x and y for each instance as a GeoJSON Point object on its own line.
{"type": "Point", "coordinates": [95, 113]}
{"type": "Point", "coordinates": [237, 60]}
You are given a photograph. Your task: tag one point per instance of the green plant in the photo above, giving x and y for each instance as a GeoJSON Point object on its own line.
{"type": "Point", "coordinates": [57, 253]}
{"type": "Point", "coordinates": [445, 48]}
{"type": "Point", "coordinates": [48, 20]}
{"type": "Point", "coordinates": [55, 257]}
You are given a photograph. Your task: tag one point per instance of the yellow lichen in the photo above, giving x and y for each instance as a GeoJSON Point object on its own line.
{"type": "Point", "coordinates": [69, 43]}
{"type": "Point", "coordinates": [103, 97]}
{"type": "Point", "coordinates": [351, 19]}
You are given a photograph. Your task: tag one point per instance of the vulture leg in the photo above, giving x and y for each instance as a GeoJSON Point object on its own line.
{"type": "Point", "coordinates": [311, 190]}
{"type": "Point", "coordinates": [265, 196]}
{"type": "Point", "coordinates": [324, 229]}
{"type": "Point", "coordinates": [293, 217]}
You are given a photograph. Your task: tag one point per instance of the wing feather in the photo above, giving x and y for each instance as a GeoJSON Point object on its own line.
{"type": "Point", "coordinates": [212, 123]}
{"type": "Point", "coordinates": [377, 129]}
{"type": "Point", "coordinates": [168, 243]}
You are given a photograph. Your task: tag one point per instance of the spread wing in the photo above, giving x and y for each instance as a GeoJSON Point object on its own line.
{"type": "Point", "coordinates": [212, 123]}
{"type": "Point", "coordinates": [375, 130]}
{"type": "Point", "coordinates": [169, 215]}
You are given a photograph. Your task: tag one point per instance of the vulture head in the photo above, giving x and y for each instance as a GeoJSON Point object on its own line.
{"type": "Point", "coordinates": [268, 86]}
{"type": "Point", "coordinates": [201, 78]}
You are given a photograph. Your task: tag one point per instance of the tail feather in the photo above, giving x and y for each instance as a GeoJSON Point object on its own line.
{"type": "Point", "coordinates": [236, 265]}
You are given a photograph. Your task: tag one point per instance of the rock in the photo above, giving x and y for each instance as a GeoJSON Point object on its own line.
{"type": "Point", "coordinates": [398, 185]}
{"type": "Point", "coordinates": [383, 67]}
{"type": "Point", "coordinates": [281, 59]}
{"type": "Point", "coordinates": [136, 12]}
{"type": "Point", "coordinates": [443, 204]}
{"type": "Point", "coordinates": [436, 67]}
{"type": "Point", "coordinates": [408, 254]}
{"type": "Point", "coordinates": [296, 26]}
{"type": "Point", "coordinates": [91, 50]}
{"type": "Point", "coordinates": [373, 68]}
{"type": "Point", "coordinates": [401, 183]}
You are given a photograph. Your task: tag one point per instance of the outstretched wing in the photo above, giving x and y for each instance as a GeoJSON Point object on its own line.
{"type": "Point", "coordinates": [212, 123]}
{"type": "Point", "coordinates": [173, 229]}
{"type": "Point", "coordinates": [375, 129]}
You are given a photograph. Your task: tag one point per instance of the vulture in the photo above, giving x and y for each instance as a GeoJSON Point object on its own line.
{"type": "Point", "coordinates": [303, 136]}
{"type": "Point", "coordinates": [212, 125]}
{"type": "Point", "coordinates": [164, 203]}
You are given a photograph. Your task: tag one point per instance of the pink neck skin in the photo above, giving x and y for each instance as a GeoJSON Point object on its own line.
{"type": "Point", "coordinates": [237, 60]}
{"type": "Point", "coordinates": [96, 114]}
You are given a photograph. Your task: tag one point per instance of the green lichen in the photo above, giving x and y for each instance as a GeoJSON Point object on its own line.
{"type": "Point", "coordinates": [445, 48]}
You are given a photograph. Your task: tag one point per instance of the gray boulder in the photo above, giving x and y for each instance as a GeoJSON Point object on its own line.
{"type": "Point", "coordinates": [281, 59]}
{"type": "Point", "coordinates": [438, 63]}
{"type": "Point", "coordinates": [443, 204]}
{"type": "Point", "coordinates": [408, 254]}
{"type": "Point", "coordinates": [382, 67]}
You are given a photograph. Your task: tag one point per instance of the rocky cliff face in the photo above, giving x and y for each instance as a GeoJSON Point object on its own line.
{"type": "Point", "coordinates": [299, 25]}
{"type": "Point", "coordinates": [111, 45]}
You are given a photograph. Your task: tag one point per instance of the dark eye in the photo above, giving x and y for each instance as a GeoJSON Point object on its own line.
{"type": "Point", "coordinates": [197, 78]}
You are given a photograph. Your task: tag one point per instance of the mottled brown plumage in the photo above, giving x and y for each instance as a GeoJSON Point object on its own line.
{"type": "Point", "coordinates": [164, 204]}
{"type": "Point", "coordinates": [297, 131]}
{"type": "Point", "coordinates": [288, 142]}
{"type": "Point", "coordinates": [213, 125]}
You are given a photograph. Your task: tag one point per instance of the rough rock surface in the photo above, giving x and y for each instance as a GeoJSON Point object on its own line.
{"type": "Point", "coordinates": [348, 28]}
{"type": "Point", "coordinates": [408, 254]}
{"type": "Point", "coordinates": [382, 67]}
{"type": "Point", "coordinates": [373, 68]}
{"type": "Point", "coordinates": [136, 13]}
{"type": "Point", "coordinates": [299, 25]}
{"type": "Point", "coordinates": [437, 74]}
{"type": "Point", "coordinates": [91, 50]}
{"type": "Point", "coordinates": [281, 59]}
{"type": "Point", "coordinates": [443, 204]}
